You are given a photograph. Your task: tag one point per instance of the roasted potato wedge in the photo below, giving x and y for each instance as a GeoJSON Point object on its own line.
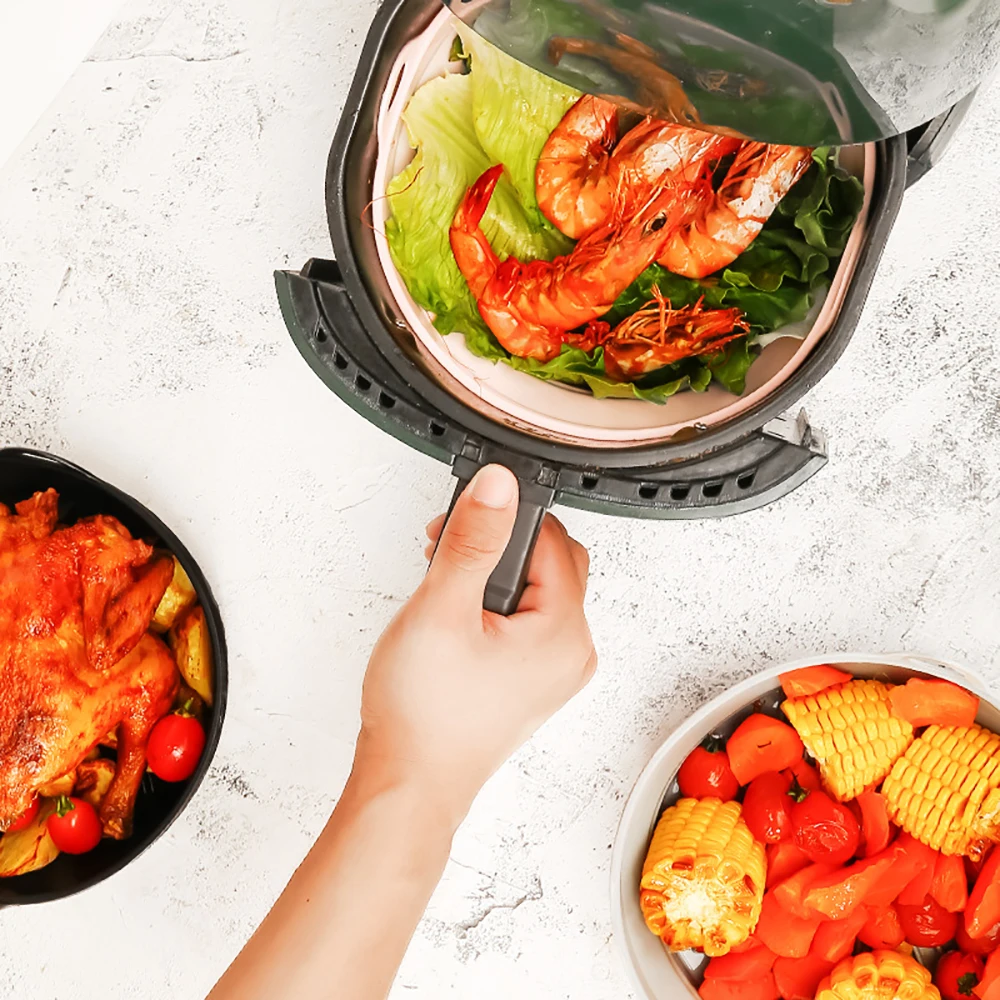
{"type": "Point", "coordinates": [61, 786]}
{"type": "Point", "coordinates": [93, 779]}
{"type": "Point", "coordinates": [28, 849]}
{"type": "Point", "coordinates": [192, 648]}
{"type": "Point", "coordinates": [178, 598]}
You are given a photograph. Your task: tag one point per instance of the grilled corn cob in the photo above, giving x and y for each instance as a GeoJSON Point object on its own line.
{"type": "Point", "coordinates": [878, 975]}
{"type": "Point", "coordinates": [852, 733]}
{"type": "Point", "coordinates": [945, 790]}
{"type": "Point", "coordinates": [703, 879]}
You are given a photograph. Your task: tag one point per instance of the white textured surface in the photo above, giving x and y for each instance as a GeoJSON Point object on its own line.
{"type": "Point", "coordinates": [139, 336]}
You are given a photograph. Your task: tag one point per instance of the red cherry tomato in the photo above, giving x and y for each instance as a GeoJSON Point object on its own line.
{"type": "Point", "coordinates": [927, 925]}
{"type": "Point", "coordinates": [825, 830]}
{"type": "Point", "coordinates": [74, 827]}
{"type": "Point", "coordinates": [706, 774]}
{"type": "Point", "coordinates": [984, 945]}
{"type": "Point", "coordinates": [805, 774]}
{"type": "Point", "coordinates": [175, 747]}
{"type": "Point", "coordinates": [24, 820]}
{"type": "Point", "coordinates": [767, 807]}
{"type": "Point", "coordinates": [956, 974]}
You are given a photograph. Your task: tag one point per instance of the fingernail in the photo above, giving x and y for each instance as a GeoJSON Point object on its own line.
{"type": "Point", "coordinates": [494, 486]}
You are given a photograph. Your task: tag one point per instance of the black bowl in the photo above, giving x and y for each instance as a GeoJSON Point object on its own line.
{"type": "Point", "coordinates": [22, 473]}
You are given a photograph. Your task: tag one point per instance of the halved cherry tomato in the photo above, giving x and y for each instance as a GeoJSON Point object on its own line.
{"type": "Point", "coordinates": [948, 886]}
{"type": "Point", "coordinates": [882, 929]}
{"type": "Point", "coordinates": [811, 680]}
{"type": "Point", "coordinates": [826, 830]}
{"type": "Point", "coordinates": [175, 747]}
{"type": "Point", "coordinates": [835, 938]}
{"type": "Point", "coordinates": [923, 702]}
{"type": "Point", "coordinates": [762, 743]}
{"type": "Point", "coordinates": [984, 945]}
{"type": "Point", "coordinates": [875, 827]}
{"type": "Point", "coordinates": [956, 974]}
{"type": "Point", "coordinates": [797, 978]}
{"type": "Point", "coordinates": [791, 893]}
{"type": "Point", "coordinates": [753, 989]}
{"type": "Point", "coordinates": [840, 894]}
{"type": "Point", "coordinates": [927, 925]}
{"type": "Point", "coordinates": [805, 774]}
{"type": "Point", "coordinates": [783, 861]}
{"type": "Point", "coordinates": [753, 964]}
{"type": "Point", "coordinates": [24, 820]}
{"type": "Point", "coordinates": [767, 807]}
{"type": "Point", "coordinates": [706, 773]}
{"type": "Point", "coordinates": [74, 827]}
{"type": "Point", "coordinates": [786, 935]}
{"type": "Point", "coordinates": [983, 910]}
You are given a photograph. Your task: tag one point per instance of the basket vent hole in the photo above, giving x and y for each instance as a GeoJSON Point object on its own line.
{"type": "Point", "coordinates": [648, 491]}
{"type": "Point", "coordinates": [340, 361]}
{"type": "Point", "coordinates": [588, 482]}
{"type": "Point", "coordinates": [711, 490]}
{"type": "Point", "coordinates": [437, 430]}
{"type": "Point", "coordinates": [746, 480]}
{"type": "Point", "coordinates": [362, 383]}
{"type": "Point", "coordinates": [386, 401]}
{"type": "Point", "coordinates": [321, 335]}
{"type": "Point", "coordinates": [679, 493]}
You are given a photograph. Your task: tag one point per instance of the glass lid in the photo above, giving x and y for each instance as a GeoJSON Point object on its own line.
{"type": "Point", "coordinates": [800, 72]}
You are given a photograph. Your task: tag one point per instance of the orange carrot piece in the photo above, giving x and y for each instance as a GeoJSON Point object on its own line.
{"type": "Point", "coordinates": [812, 680]}
{"type": "Point", "coordinates": [753, 964]}
{"type": "Point", "coordinates": [798, 978]}
{"type": "Point", "coordinates": [948, 886]}
{"type": "Point", "coordinates": [875, 826]}
{"type": "Point", "coordinates": [834, 939]}
{"type": "Point", "coordinates": [792, 891]}
{"type": "Point", "coordinates": [786, 935]}
{"type": "Point", "coordinates": [923, 702]}
{"type": "Point", "coordinates": [784, 859]}
{"type": "Point", "coordinates": [841, 893]}
{"type": "Point", "coordinates": [762, 743]}
{"type": "Point", "coordinates": [983, 911]}
{"type": "Point", "coordinates": [882, 929]}
{"type": "Point", "coordinates": [724, 989]}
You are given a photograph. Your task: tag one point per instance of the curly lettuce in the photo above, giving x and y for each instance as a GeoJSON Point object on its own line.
{"type": "Point", "coordinates": [502, 111]}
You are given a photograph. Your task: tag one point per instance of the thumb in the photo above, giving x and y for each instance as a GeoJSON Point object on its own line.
{"type": "Point", "coordinates": [475, 536]}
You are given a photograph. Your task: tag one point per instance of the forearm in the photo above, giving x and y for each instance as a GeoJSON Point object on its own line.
{"type": "Point", "coordinates": [342, 924]}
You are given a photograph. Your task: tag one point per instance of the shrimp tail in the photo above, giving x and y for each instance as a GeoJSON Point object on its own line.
{"type": "Point", "coordinates": [473, 253]}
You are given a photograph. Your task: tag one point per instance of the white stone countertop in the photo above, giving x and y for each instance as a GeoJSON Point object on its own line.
{"type": "Point", "coordinates": [140, 337]}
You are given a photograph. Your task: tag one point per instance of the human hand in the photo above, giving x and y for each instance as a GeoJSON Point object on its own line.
{"type": "Point", "coordinates": [452, 690]}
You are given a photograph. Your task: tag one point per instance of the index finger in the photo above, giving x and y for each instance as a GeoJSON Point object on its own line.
{"type": "Point", "coordinates": [556, 577]}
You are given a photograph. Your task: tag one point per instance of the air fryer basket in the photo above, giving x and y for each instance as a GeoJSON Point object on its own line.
{"type": "Point", "coordinates": [345, 322]}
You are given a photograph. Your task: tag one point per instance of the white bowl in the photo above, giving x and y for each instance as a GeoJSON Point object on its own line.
{"type": "Point", "coordinates": [657, 974]}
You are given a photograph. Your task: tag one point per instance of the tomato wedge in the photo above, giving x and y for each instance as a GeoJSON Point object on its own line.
{"type": "Point", "coordinates": [725, 989]}
{"type": "Point", "coordinates": [762, 743]}
{"type": "Point", "coordinates": [798, 978]}
{"type": "Point", "coordinates": [948, 886]}
{"type": "Point", "coordinates": [834, 939]}
{"type": "Point", "coordinates": [983, 910]}
{"type": "Point", "coordinates": [812, 680]}
{"type": "Point", "coordinates": [753, 964]}
{"type": "Point", "coordinates": [923, 702]}
{"type": "Point", "coordinates": [786, 935]}
{"type": "Point", "coordinates": [783, 861]}
{"type": "Point", "coordinates": [876, 830]}
{"type": "Point", "coordinates": [882, 929]}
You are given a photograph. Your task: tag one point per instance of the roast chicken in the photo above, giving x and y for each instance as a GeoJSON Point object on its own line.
{"type": "Point", "coordinates": [78, 665]}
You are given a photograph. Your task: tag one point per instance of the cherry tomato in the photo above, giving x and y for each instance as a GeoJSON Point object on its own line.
{"type": "Point", "coordinates": [805, 774]}
{"type": "Point", "coordinates": [706, 774]}
{"type": "Point", "coordinates": [24, 820]}
{"type": "Point", "coordinates": [767, 807]}
{"type": "Point", "coordinates": [825, 830]}
{"type": "Point", "coordinates": [74, 827]}
{"type": "Point", "coordinates": [175, 747]}
{"type": "Point", "coordinates": [956, 974]}
{"type": "Point", "coordinates": [984, 945]}
{"type": "Point", "coordinates": [927, 925]}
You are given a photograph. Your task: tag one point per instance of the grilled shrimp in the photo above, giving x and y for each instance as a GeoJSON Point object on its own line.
{"type": "Point", "coordinates": [761, 175]}
{"type": "Point", "coordinates": [531, 306]}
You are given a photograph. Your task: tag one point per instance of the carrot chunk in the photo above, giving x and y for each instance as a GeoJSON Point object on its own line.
{"type": "Point", "coordinates": [784, 860]}
{"type": "Point", "coordinates": [812, 680]}
{"type": "Point", "coordinates": [762, 743]}
{"type": "Point", "coordinates": [882, 929]}
{"type": "Point", "coordinates": [753, 964]}
{"type": "Point", "coordinates": [875, 826]}
{"type": "Point", "coordinates": [834, 939]}
{"type": "Point", "coordinates": [983, 911]}
{"type": "Point", "coordinates": [948, 886]}
{"type": "Point", "coordinates": [792, 891]}
{"type": "Point", "coordinates": [838, 895]}
{"type": "Point", "coordinates": [924, 702]}
{"type": "Point", "coordinates": [725, 989]}
{"type": "Point", "coordinates": [798, 978]}
{"type": "Point", "coordinates": [786, 935]}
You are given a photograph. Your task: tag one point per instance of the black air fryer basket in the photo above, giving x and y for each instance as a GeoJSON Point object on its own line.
{"type": "Point", "coordinates": [344, 320]}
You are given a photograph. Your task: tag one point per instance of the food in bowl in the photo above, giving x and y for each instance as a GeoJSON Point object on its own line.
{"type": "Point", "coordinates": [863, 826]}
{"type": "Point", "coordinates": [87, 682]}
{"type": "Point", "coordinates": [501, 230]}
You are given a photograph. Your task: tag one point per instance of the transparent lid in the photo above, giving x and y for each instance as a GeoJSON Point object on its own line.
{"type": "Point", "coordinates": [801, 72]}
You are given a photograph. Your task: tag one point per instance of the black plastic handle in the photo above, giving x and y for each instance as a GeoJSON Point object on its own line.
{"type": "Point", "coordinates": [506, 583]}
